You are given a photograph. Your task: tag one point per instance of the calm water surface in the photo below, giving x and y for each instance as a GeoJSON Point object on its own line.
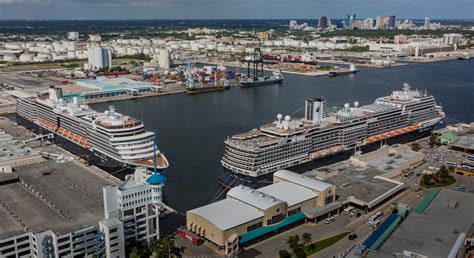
{"type": "Point", "coordinates": [192, 129]}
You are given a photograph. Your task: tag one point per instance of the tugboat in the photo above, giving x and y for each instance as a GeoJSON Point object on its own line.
{"type": "Point", "coordinates": [352, 70]}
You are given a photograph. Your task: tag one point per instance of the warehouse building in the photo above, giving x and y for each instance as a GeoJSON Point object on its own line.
{"type": "Point", "coordinates": [247, 214]}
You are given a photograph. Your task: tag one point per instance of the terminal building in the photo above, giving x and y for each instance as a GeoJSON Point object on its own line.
{"type": "Point", "coordinates": [365, 181]}
{"type": "Point", "coordinates": [58, 210]}
{"type": "Point", "coordinates": [247, 213]}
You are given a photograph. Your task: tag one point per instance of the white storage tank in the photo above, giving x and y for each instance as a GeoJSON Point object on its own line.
{"type": "Point", "coordinates": [26, 57]}
{"type": "Point", "coordinates": [9, 57]}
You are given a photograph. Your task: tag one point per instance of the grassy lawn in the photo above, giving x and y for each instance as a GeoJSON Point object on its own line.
{"type": "Point", "coordinates": [326, 68]}
{"type": "Point", "coordinates": [321, 244]}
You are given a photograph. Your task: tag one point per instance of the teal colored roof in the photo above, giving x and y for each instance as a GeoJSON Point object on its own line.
{"type": "Point", "coordinates": [428, 199]}
{"type": "Point", "coordinates": [382, 232]}
{"type": "Point", "coordinates": [156, 179]}
{"type": "Point", "coordinates": [265, 230]}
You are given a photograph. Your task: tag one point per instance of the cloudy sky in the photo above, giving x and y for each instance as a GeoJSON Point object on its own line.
{"type": "Point", "coordinates": [232, 9]}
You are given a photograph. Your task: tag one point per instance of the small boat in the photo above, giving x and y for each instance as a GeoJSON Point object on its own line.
{"type": "Point", "coordinates": [352, 70]}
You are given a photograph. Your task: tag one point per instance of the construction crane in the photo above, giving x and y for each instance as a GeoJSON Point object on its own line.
{"type": "Point", "coordinates": [88, 32]}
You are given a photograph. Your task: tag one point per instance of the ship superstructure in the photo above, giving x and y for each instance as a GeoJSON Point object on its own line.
{"type": "Point", "coordinates": [299, 143]}
{"type": "Point", "coordinates": [108, 139]}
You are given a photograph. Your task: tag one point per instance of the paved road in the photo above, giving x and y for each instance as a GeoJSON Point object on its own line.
{"type": "Point", "coordinates": [270, 247]}
{"type": "Point", "coordinates": [362, 229]}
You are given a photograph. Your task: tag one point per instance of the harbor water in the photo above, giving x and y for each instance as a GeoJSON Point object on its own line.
{"type": "Point", "coordinates": [192, 129]}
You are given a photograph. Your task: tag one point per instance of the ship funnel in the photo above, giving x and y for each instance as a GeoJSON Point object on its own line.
{"type": "Point", "coordinates": [315, 110]}
{"type": "Point", "coordinates": [55, 93]}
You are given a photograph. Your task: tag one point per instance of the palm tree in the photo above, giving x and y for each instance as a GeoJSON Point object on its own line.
{"type": "Point", "coordinates": [306, 237]}
{"type": "Point", "coordinates": [294, 243]}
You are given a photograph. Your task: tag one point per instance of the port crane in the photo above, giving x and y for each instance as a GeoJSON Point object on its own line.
{"type": "Point", "coordinates": [255, 64]}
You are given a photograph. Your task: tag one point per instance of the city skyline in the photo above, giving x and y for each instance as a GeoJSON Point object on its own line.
{"type": "Point", "coordinates": [233, 9]}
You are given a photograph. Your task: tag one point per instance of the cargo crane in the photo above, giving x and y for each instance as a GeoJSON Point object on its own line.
{"type": "Point", "coordinates": [256, 61]}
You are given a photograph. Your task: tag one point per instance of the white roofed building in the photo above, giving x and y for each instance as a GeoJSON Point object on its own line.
{"type": "Point", "coordinates": [248, 213]}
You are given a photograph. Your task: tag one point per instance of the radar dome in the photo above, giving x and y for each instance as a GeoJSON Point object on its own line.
{"type": "Point", "coordinates": [356, 104]}
{"type": "Point", "coordinates": [287, 118]}
{"type": "Point", "coordinates": [279, 116]}
{"type": "Point", "coordinates": [346, 106]}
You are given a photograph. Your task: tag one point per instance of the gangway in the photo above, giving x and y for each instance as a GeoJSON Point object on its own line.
{"type": "Point", "coordinates": [40, 137]}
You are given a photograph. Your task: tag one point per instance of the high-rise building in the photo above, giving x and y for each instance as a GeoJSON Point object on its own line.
{"type": "Point", "coordinates": [293, 24]}
{"type": "Point", "coordinates": [164, 59]}
{"type": "Point", "coordinates": [98, 57]}
{"type": "Point", "coordinates": [380, 22]}
{"type": "Point", "coordinates": [452, 38]}
{"type": "Point", "coordinates": [427, 23]}
{"type": "Point", "coordinates": [391, 22]}
{"type": "Point", "coordinates": [369, 23]}
{"type": "Point", "coordinates": [73, 35]}
{"type": "Point", "coordinates": [349, 20]}
{"type": "Point", "coordinates": [137, 203]}
{"type": "Point", "coordinates": [132, 210]}
{"type": "Point", "coordinates": [400, 39]}
{"type": "Point", "coordinates": [323, 22]}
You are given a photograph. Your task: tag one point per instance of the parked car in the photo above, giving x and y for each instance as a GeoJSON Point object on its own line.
{"type": "Point", "coordinates": [329, 220]}
{"type": "Point", "coordinates": [352, 236]}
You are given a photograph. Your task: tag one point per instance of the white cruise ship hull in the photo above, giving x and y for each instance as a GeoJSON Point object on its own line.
{"type": "Point", "coordinates": [231, 179]}
{"type": "Point", "coordinates": [92, 157]}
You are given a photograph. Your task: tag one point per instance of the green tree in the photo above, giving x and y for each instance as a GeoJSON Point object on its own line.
{"type": "Point", "coordinates": [294, 243]}
{"type": "Point", "coordinates": [415, 146]}
{"type": "Point", "coordinates": [134, 253]}
{"type": "Point", "coordinates": [163, 246]}
{"type": "Point", "coordinates": [433, 138]}
{"type": "Point", "coordinates": [307, 238]}
{"type": "Point", "coordinates": [284, 254]}
{"type": "Point", "coordinates": [426, 180]}
{"type": "Point", "coordinates": [443, 173]}
{"type": "Point", "coordinates": [300, 253]}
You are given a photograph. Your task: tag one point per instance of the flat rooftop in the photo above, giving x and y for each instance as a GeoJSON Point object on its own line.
{"type": "Point", "coordinates": [227, 213]}
{"type": "Point", "coordinates": [74, 190]}
{"type": "Point", "coordinates": [11, 149]}
{"type": "Point", "coordinates": [389, 162]}
{"type": "Point", "coordinates": [288, 192]}
{"type": "Point", "coordinates": [357, 182]}
{"type": "Point", "coordinates": [115, 83]}
{"type": "Point", "coordinates": [434, 232]}
{"type": "Point", "coordinates": [465, 142]}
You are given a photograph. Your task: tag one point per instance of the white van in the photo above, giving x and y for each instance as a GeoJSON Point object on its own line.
{"type": "Point", "coordinates": [348, 210]}
{"type": "Point", "coordinates": [329, 220]}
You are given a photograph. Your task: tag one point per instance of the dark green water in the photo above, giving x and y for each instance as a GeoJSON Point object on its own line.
{"type": "Point", "coordinates": [192, 129]}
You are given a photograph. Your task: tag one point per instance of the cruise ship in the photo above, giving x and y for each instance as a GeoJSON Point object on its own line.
{"type": "Point", "coordinates": [327, 135]}
{"type": "Point", "coordinates": [107, 139]}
